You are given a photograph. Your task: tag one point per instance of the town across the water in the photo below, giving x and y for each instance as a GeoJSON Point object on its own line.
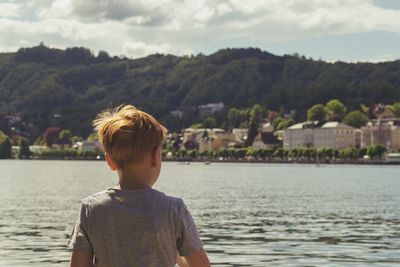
{"type": "Point", "coordinates": [309, 141]}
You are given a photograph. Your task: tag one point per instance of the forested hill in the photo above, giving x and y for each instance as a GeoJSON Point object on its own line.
{"type": "Point", "coordinates": [67, 88]}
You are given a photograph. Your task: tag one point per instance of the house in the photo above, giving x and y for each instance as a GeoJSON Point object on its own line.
{"type": "Point", "coordinates": [209, 109]}
{"type": "Point", "coordinates": [176, 113]}
{"type": "Point", "coordinates": [299, 135]}
{"type": "Point", "coordinates": [335, 135]}
{"type": "Point", "coordinates": [240, 133]}
{"type": "Point", "coordinates": [266, 138]}
{"type": "Point", "coordinates": [311, 134]}
{"type": "Point", "coordinates": [88, 146]}
{"type": "Point", "coordinates": [192, 138]}
{"type": "Point", "coordinates": [384, 131]}
{"type": "Point", "coordinates": [225, 140]}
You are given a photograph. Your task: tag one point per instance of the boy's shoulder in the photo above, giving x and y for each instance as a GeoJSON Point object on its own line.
{"type": "Point", "coordinates": [113, 194]}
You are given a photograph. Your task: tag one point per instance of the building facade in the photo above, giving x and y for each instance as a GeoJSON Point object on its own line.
{"type": "Point", "coordinates": [312, 135]}
{"type": "Point", "coordinates": [382, 131]}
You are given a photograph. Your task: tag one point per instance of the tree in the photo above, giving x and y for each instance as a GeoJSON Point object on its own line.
{"type": "Point", "coordinates": [5, 146]}
{"type": "Point", "coordinates": [209, 122]}
{"type": "Point", "coordinates": [196, 126]}
{"type": "Point", "coordinates": [51, 136]}
{"type": "Point", "coordinates": [396, 109]}
{"type": "Point", "coordinates": [317, 113]}
{"type": "Point", "coordinates": [75, 139]}
{"type": "Point", "coordinates": [205, 135]}
{"type": "Point", "coordinates": [93, 137]}
{"type": "Point", "coordinates": [336, 110]}
{"type": "Point", "coordinates": [252, 133]}
{"type": "Point", "coordinates": [65, 137]}
{"type": "Point", "coordinates": [376, 151]}
{"type": "Point", "coordinates": [24, 152]}
{"type": "Point", "coordinates": [237, 117]}
{"type": "Point", "coordinates": [284, 124]}
{"type": "Point", "coordinates": [103, 56]}
{"type": "Point", "coordinates": [277, 121]}
{"type": "Point", "coordinates": [256, 113]}
{"type": "Point", "coordinates": [271, 115]}
{"type": "Point", "coordinates": [355, 119]}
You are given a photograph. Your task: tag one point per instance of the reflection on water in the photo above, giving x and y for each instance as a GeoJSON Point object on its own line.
{"type": "Point", "coordinates": [247, 214]}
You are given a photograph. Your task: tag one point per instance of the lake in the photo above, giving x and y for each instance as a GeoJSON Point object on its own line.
{"type": "Point", "coordinates": [247, 214]}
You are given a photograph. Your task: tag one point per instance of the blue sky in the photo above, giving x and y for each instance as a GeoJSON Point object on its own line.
{"type": "Point", "coordinates": [346, 30]}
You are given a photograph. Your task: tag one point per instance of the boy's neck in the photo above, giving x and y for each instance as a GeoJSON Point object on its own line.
{"type": "Point", "coordinates": [134, 179]}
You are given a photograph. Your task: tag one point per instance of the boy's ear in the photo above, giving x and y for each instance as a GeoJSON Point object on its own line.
{"type": "Point", "coordinates": [111, 164]}
{"type": "Point", "coordinates": [156, 156]}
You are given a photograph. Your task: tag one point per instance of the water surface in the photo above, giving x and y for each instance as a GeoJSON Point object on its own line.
{"type": "Point", "coordinates": [247, 214]}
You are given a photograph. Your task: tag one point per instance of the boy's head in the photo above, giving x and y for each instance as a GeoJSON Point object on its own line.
{"type": "Point", "coordinates": [128, 134]}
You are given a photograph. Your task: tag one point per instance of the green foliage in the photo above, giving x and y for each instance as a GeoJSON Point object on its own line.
{"type": "Point", "coordinates": [355, 119]}
{"type": "Point", "coordinates": [40, 82]}
{"type": "Point", "coordinates": [66, 153]}
{"type": "Point", "coordinates": [209, 122]}
{"type": "Point", "coordinates": [281, 153]}
{"type": "Point", "coordinates": [280, 123]}
{"type": "Point", "coordinates": [75, 139]}
{"type": "Point", "coordinates": [181, 153]}
{"type": "Point", "coordinates": [335, 109]}
{"type": "Point", "coordinates": [65, 137]}
{"type": "Point", "coordinates": [317, 113]}
{"type": "Point", "coordinates": [252, 133]}
{"type": "Point", "coordinates": [349, 153]}
{"type": "Point", "coordinates": [93, 137]}
{"type": "Point", "coordinates": [5, 146]}
{"type": "Point", "coordinates": [24, 152]}
{"type": "Point", "coordinates": [196, 126]}
{"type": "Point", "coordinates": [307, 155]}
{"type": "Point", "coordinates": [192, 153]}
{"type": "Point", "coordinates": [39, 141]}
{"type": "Point", "coordinates": [376, 151]}
{"type": "Point", "coordinates": [396, 109]}
{"type": "Point", "coordinates": [285, 124]}
{"type": "Point", "coordinates": [277, 121]}
{"type": "Point", "coordinates": [256, 113]}
{"type": "Point", "coordinates": [238, 118]}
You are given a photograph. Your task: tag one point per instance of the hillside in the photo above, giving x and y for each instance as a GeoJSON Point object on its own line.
{"type": "Point", "coordinates": [68, 87]}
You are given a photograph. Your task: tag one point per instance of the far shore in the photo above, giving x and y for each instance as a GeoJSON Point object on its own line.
{"type": "Point", "coordinates": [187, 161]}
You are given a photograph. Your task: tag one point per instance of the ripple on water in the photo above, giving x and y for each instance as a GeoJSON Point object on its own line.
{"type": "Point", "coordinates": [247, 215]}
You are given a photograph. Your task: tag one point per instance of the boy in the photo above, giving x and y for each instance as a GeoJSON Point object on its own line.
{"type": "Point", "coordinates": [133, 224]}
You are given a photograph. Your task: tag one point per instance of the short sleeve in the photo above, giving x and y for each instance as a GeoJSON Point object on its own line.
{"type": "Point", "coordinates": [188, 239]}
{"type": "Point", "coordinates": [79, 239]}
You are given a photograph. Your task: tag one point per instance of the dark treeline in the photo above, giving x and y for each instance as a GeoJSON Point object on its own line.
{"type": "Point", "coordinates": [66, 88]}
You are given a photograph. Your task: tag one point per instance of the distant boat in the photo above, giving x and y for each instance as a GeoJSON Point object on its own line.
{"type": "Point", "coordinates": [207, 162]}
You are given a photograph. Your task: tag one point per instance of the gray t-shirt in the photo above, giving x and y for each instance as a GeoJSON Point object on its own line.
{"type": "Point", "coordinates": [135, 228]}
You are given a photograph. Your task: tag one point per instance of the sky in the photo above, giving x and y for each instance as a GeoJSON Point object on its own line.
{"type": "Point", "coordinates": [331, 30]}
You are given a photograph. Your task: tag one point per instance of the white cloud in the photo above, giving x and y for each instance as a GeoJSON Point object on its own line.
{"type": "Point", "coordinates": [56, 9]}
{"type": "Point", "coordinates": [10, 10]}
{"type": "Point", "coordinates": [139, 27]}
{"type": "Point", "coordinates": [140, 49]}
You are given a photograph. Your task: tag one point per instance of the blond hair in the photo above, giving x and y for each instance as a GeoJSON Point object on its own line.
{"type": "Point", "coordinates": [128, 134]}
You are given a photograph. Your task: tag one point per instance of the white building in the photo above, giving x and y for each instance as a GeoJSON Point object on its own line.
{"type": "Point", "coordinates": [309, 134]}
{"type": "Point", "coordinates": [210, 108]}
{"type": "Point", "coordinates": [89, 146]}
{"type": "Point", "coordinates": [176, 113]}
{"type": "Point", "coordinates": [383, 131]}
{"type": "Point", "coordinates": [240, 133]}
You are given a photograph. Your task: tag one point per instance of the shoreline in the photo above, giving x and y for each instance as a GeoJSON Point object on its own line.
{"type": "Point", "coordinates": [187, 161]}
